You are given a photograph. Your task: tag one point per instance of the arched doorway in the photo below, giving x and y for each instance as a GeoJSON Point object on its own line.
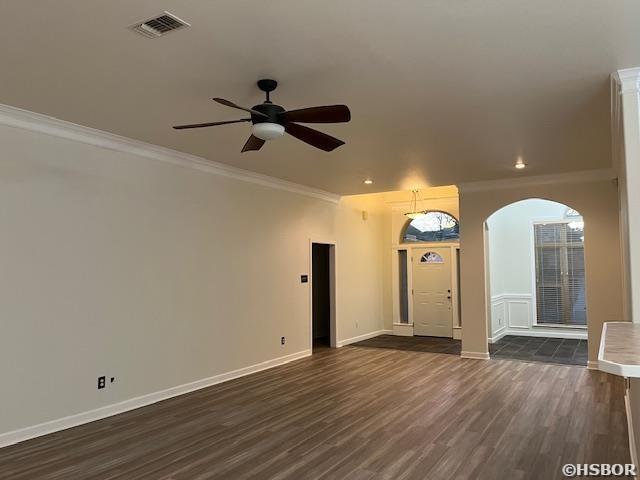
{"type": "Point", "coordinates": [536, 282]}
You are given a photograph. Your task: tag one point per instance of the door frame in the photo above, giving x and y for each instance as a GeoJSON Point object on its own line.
{"type": "Point", "coordinates": [452, 267]}
{"type": "Point", "coordinates": [409, 247]}
{"type": "Point", "coordinates": [333, 334]}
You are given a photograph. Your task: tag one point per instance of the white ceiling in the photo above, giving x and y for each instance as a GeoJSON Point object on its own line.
{"type": "Point", "coordinates": [441, 91]}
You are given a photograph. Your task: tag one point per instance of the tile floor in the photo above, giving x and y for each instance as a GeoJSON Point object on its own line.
{"type": "Point", "coordinates": [532, 349]}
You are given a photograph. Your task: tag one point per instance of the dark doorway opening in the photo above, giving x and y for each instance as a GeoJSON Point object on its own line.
{"type": "Point", "coordinates": [321, 295]}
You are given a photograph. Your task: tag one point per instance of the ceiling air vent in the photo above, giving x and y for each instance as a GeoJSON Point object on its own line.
{"type": "Point", "coordinates": [159, 25]}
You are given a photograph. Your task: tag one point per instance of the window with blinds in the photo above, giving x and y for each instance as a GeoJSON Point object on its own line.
{"type": "Point", "coordinates": [560, 277]}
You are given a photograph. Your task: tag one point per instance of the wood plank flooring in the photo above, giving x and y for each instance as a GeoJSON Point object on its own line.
{"type": "Point", "coordinates": [414, 344]}
{"type": "Point", "coordinates": [352, 413]}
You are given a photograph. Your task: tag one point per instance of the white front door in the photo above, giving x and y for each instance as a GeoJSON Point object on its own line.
{"type": "Point", "coordinates": [432, 308]}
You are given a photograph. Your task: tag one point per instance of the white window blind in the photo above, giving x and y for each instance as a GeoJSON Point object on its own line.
{"type": "Point", "coordinates": [560, 276]}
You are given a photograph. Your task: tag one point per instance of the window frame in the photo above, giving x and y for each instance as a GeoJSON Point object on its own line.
{"type": "Point", "coordinates": [403, 232]}
{"type": "Point", "coordinates": [534, 285]}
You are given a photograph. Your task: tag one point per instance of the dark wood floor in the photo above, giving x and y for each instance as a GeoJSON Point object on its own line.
{"type": "Point", "coordinates": [414, 344]}
{"type": "Point", "coordinates": [356, 413]}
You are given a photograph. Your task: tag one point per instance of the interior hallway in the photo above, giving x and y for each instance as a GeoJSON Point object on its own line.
{"type": "Point", "coordinates": [357, 413]}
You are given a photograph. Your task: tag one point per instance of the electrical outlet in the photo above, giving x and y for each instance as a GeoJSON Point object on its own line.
{"type": "Point", "coordinates": [102, 381]}
{"type": "Point", "coordinates": [282, 340]}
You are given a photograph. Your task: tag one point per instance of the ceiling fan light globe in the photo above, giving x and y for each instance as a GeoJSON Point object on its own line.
{"type": "Point", "coordinates": [267, 130]}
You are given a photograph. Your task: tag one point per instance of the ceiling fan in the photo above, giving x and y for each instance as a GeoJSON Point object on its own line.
{"type": "Point", "coordinates": [271, 121]}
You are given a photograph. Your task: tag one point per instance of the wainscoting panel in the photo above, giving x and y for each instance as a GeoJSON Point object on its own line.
{"type": "Point", "coordinates": [519, 313]}
{"type": "Point", "coordinates": [513, 314]}
{"type": "Point", "coordinates": [498, 320]}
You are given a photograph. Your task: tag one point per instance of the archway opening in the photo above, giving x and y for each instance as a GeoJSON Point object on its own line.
{"type": "Point", "coordinates": [537, 307]}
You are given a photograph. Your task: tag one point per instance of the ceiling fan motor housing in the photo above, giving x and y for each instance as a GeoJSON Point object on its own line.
{"type": "Point", "coordinates": [271, 111]}
{"type": "Point", "coordinates": [269, 127]}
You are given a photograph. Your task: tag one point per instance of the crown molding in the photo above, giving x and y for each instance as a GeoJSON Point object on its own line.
{"type": "Point", "coordinates": [582, 176]}
{"type": "Point", "coordinates": [628, 80]}
{"type": "Point", "coordinates": [36, 122]}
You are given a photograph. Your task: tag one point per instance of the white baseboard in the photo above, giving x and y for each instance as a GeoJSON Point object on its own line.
{"type": "Point", "coordinates": [498, 335]}
{"type": "Point", "coordinates": [457, 333]}
{"type": "Point", "coordinates": [475, 355]}
{"type": "Point", "coordinates": [592, 365]}
{"type": "Point", "coordinates": [366, 336]}
{"type": "Point", "coordinates": [539, 332]}
{"type": "Point", "coordinates": [15, 436]}
{"type": "Point", "coordinates": [403, 329]}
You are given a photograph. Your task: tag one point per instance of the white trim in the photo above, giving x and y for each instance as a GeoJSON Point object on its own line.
{"type": "Point", "coordinates": [537, 180]}
{"type": "Point", "coordinates": [498, 335]}
{"type": "Point", "coordinates": [52, 426]}
{"type": "Point", "coordinates": [454, 287]}
{"type": "Point", "coordinates": [35, 122]}
{"type": "Point", "coordinates": [403, 329]}
{"type": "Point", "coordinates": [457, 333]}
{"type": "Point", "coordinates": [366, 336]}
{"type": "Point", "coordinates": [510, 296]}
{"type": "Point", "coordinates": [540, 332]}
{"type": "Point", "coordinates": [475, 355]}
{"type": "Point", "coordinates": [628, 80]}
{"type": "Point", "coordinates": [618, 154]}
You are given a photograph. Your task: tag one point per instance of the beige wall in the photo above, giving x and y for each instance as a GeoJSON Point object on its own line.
{"type": "Point", "coordinates": [157, 274]}
{"type": "Point", "coordinates": [360, 279]}
{"type": "Point", "coordinates": [435, 198]}
{"type": "Point", "coordinates": [598, 203]}
{"type": "Point", "coordinates": [392, 206]}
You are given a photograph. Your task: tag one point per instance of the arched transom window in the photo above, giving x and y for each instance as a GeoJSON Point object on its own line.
{"type": "Point", "coordinates": [433, 227]}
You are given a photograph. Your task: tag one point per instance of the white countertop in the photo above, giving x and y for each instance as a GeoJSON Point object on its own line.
{"type": "Point", "coordinates": [620, 349]}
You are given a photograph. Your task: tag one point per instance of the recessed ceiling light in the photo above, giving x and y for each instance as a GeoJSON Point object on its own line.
{"type": "Point", "coordinates": [520, 164]}
{"type": "Point", "coordinates": [368, 181]}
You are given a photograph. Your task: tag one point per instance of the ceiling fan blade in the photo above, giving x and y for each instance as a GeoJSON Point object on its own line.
{"type": "Point", "coordinates": [254, 143]}
{"type": "Point", "coordinates": [313, 137]}
{"type": "Point", "coordinates": [227, 103]}
{"type": "Point", "coordinates": [326, 114]}
{"type": "Point", "coordinates": [211, 124]}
